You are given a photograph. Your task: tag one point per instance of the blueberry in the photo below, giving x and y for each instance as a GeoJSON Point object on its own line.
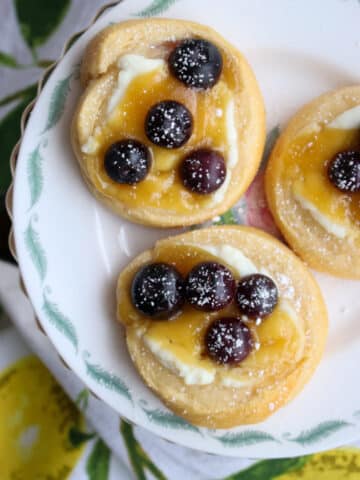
{"type": "Point", "coordinates": [228, 340]}
{"type": "Point", "coordinates": [203, 171]}
{"type": "Point", "coordinates": [209, 286]}
{"type": "Point", "coordinates": [157, 290]}
{"type": "Point", "coordinates": [256, 295]}
{"type": "Point", "coordinates": [127, 161]}
{"type": "Point", "coordinates": [168, 124]}
{"type": "Point", "coordinates": [344, 171]}
{"type": "Point", "coordinates": [197, 63]}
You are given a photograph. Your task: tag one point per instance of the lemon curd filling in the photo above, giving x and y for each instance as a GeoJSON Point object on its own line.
{"type": "Point", "coordinates": [178, 343]}
{"type": "Point", "coordinates": [306, 162]}
{"type": "Point", "coordinates": [143, 83]}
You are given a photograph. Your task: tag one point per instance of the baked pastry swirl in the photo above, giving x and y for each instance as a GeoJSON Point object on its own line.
{"type": "Point", "coordinates": [170, 128]}
{"type": "Point", "coordinates": [225, 324]}
{"type": "Point", "coordinates": [313, 183]}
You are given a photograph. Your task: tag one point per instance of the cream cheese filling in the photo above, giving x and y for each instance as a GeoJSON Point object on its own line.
{"type": "Point", "coordinates": [348, 120]}
{"type": "Point", "coordinates": [336, 229]}
{"type": "Point", "coordinates": [192, 374]}
{"type": "Point", "coordinates": [130, 66]}
{"type": "Point", "coordinates": [198, 372]}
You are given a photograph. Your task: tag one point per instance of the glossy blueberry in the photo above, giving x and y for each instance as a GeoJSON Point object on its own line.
{"type": "Point", "coordinates": [157, 290]}
{"type": "Point", "coordinates": [168, 124]}
{"type": "Point", "coordinates": [197, 63]}
{"type": "Point", "coordinates": [127, 161]}
{"type": "Point", "coordinates": [228, 341]}
{"type": "Point", "coordinates": [210, 286]}
{"type": "Point", "coordinates": [344, 171]}
{"type": "Point", "coordinates": [203, 171]}
{"type": "Point", "coordinates": [256, 295]}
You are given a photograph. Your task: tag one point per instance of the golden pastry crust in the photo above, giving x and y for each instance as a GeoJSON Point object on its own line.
{"type": "Point", "coordinates": [214, 405]}
{"type": "Point", "coordinates": [319, 249]}
{"type": "Point", "coordinates": [99, 77]}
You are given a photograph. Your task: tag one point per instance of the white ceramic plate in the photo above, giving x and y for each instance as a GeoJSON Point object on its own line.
{"type": "Point", "coordinates": [71, 249]}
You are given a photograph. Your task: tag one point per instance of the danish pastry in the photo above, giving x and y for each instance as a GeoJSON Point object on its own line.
{"type": "Point", "coordinates": [313, 183]}
{"type": "Point", "coordinates": [170, 128]}
{"type": "Point", "coordinates": [225, 324]}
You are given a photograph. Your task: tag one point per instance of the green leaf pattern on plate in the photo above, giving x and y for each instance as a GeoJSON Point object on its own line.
{"type": "Point", "coordinates": [156, 7]}
{"type": "Point", "coordinates": [249, 437]}
{"type": "Point", "coordinates": [57, 102]}
{"type": "Point", "coordinates": [318, 433]}
{"type": "Point", "coordinates": [97, 465]}
{"type": "Point", "coordinates": [60, 321]}
{"type": "Point", "coordinates": [108, 380]}
{"type": "Point", "coordinates": [169, 420]}
{"type": "Point", "coordinates": [36, 251]}
{"type": "Point", "coordinates": [227, 218]}
{"type": "Point", "coordinates": [35, 176]}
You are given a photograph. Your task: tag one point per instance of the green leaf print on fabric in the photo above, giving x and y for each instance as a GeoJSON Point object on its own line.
{"type": "Point", "coordinates": [139, 459]}
{"type": "Point", "coordinates": [20, 95]}
{"type": "Point", "coordinates": [39, 20]}
{"type": "Point", "coordinates": [270, 469]}
{"type": "Point", "coordinates": [82, 400]}
{"type": "Point", "coordinates": [77, 437]}
{"type": "Point", "coordinates": [97, 465]}
{"type": "Point", "coordinates": [7, 60]}
{"type": "Point", "coordinates": [10, 131]}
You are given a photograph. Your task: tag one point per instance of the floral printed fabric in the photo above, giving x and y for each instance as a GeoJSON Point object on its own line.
{"type": "Point", "coordinates": [44, 434]}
